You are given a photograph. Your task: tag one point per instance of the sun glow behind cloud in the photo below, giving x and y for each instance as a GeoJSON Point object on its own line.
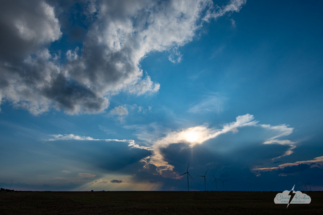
{"type": "Point", "coordinates": [200, 134]}
{"type": "Point", "coordinates": [193, 136]}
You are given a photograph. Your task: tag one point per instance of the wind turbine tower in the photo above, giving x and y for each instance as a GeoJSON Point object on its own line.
{"type": "Point", "coordinates": [188, 179]}
{"type": "Point", "coordinates": [215, 179]}
{"type": "Point", "coordinates": [222, 183]}
{"type": "Point", "coordinates": [204, 176]}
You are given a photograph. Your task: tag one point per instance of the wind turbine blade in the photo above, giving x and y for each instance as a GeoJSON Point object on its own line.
{"type": "Point", "coordinates": [184, 173]}
{"type": "Point", "coordinates": [206, 172]}
{"type": "Point", "coordinates": [188, 166]}
{"type": "Point", "coordinates": [190, 175]}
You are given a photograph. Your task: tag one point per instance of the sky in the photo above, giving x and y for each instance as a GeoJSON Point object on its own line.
{"type": "Point", "coordinates": [124, 95]}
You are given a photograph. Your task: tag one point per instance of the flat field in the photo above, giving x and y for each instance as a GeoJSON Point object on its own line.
{"type": "Point", "coordinates": [259, 203]}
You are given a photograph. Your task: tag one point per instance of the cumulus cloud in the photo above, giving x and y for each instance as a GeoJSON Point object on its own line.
{"type": "Point", "coordinates": [119, 111]}
{"type": "Point", "coordinates": [25, 26]}
{"type": "Point", "coordinates": [72, 55]}
{"type": "Point", "coordinates": [119, 35]}
{"type": "Point", "coordinates": [144, 86]}
{"type": "Point", "coordinates": [175, 56]}
{"type": "Point", "coordinates": [31, 77]}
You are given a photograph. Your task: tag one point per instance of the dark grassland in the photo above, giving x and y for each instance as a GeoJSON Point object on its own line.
{"type": "Point", "coordinates": [259, 203]}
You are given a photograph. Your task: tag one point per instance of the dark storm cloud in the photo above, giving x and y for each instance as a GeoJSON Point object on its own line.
{"type": "Point", "coordinates": [202, 158]}
{"type": "Point", "coordinates": [235, 168]}
{"type": "Point", "coordinates": [230, 157]}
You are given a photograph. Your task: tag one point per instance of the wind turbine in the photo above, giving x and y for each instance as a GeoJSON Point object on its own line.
{"type": "Point", "coordinates": [204, 176]}
{"type": "Point", "coordinates": [215, 179]}
{"type": "Point", "coordinates": [223, 182]}
{"type": "Point", "coordinates": [188, 179]}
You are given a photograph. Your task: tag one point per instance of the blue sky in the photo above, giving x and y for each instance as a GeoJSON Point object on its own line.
{"type": "Point", "coordinates": [123, 95]}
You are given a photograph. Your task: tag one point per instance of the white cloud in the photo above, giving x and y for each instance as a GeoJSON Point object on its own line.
{"type": "Point", "coordinates": [233, 22]}
{"type": "Point", "coordinates": [69, 137]}
{"type": "Point", "coordinates": [144, 86]}
{"type": "Point", "coordinates": [282, 130]}
{"type": "Point", "coordinates": [60, 137]}
{"type": "Point", "coordinates": [33, 29]}
{"type": "Point", "coordinates": [118, 38]}
{"type": "Point", "coordinates": [235, 5]}
{"type": "Point", "coordinates": [317, 160]}
{"type": "Point", "coordinates": [72, 55]}
{"type": "Point", "coordinates": [134, 145]}
{"type": "Point", "coordinates": [175, 56]}
{"type": "Point", "coordinates": [119, 111]}
{"type": "Point", "coordinates": [209, 104]}
{"type": "Point", "coordinates": [31, 78]}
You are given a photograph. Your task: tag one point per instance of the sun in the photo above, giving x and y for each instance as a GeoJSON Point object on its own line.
{"type": "Point", "coordinates": [191, 136]}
